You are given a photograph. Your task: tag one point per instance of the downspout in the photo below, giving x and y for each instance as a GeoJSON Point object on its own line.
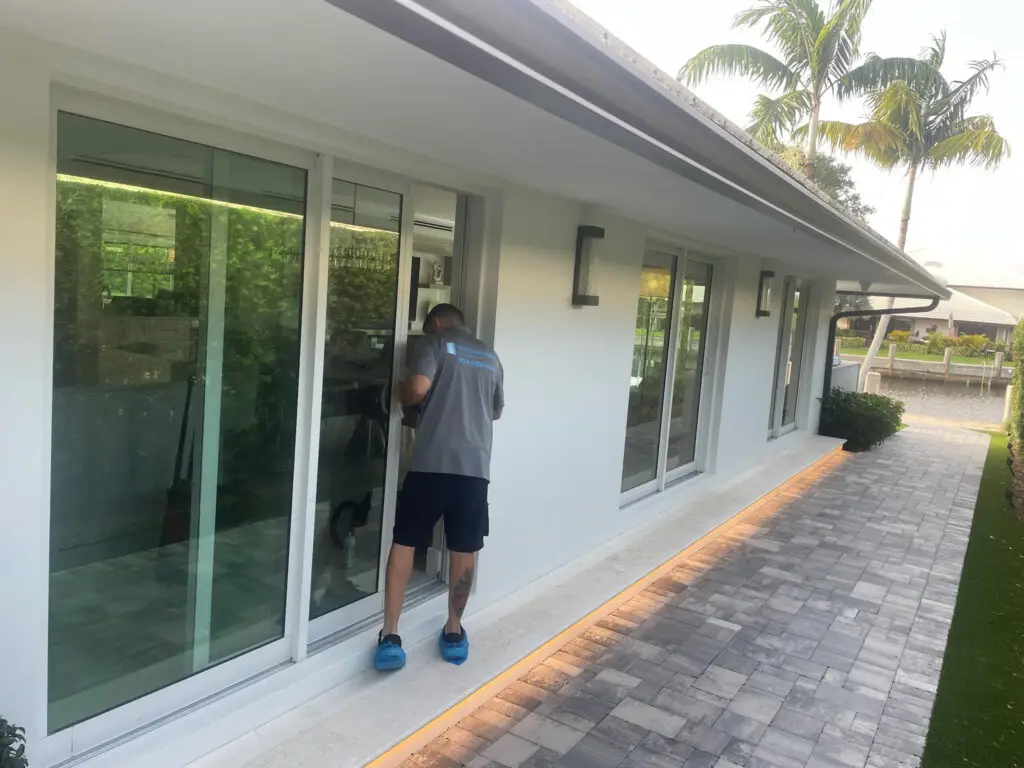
{"type": "Point", "coordinates": [834, 324]}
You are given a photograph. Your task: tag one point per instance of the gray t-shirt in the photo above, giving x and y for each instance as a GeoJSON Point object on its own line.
{"type": "Point", "coordinates": [467, 392]}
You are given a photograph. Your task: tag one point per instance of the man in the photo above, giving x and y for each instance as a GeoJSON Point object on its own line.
{"type": "Point", "coordinates": [457, 383]}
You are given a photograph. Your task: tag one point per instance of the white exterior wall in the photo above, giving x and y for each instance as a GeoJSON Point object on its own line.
{"type": "Point", "coordinates": [557, 454]}
{"type": "Point", "coordinates": [557, 463]}
{"type": "Point", "coordinates": [746, 388]}
{"type": "Point", "coordinates": [26, 309]}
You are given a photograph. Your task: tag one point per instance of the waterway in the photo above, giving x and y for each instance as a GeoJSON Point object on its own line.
{"type": "Point", "coordinates": [948, 402]}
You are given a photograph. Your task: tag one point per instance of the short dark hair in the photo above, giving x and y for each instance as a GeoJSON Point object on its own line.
{"type": "Point", "coordinates": [447, 314]}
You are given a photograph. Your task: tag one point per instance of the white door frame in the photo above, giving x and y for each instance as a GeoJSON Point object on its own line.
{"type": "Point", "coordinates": [339, 620]}
{"type": "Point", "coordinates": [776, 428]}
{"type": "Point", "coordinates": [709, 342]}
{"type": "Point", "coordinates": [680, 257]}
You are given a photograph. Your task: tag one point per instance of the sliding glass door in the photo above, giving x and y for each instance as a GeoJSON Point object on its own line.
{"type": "Point", "coordinates": [647, 381]}
{"type": "Point", "coordinates": [178, 280]}
{"type": "Point", "coordinates": [225, 460]}
{"type": "Point", "coordinates": [355, 423]}
{"type": "Point", "coordinates": [670, 340]}
{"type": "Point", "coordinates": [694, 300]}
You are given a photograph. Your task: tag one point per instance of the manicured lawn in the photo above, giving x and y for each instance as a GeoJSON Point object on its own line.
{"type": "Point", "coordinates": [924, 356]}
{"type": "Point", "coordinates": [978, 719]}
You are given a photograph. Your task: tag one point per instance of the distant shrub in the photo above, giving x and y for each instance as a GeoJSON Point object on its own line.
{"type": "Point", "coordinates": [936, 343]}
{"type": "Point", "coordinates": [900, 337]}
{"type": "Point", "coordinates": [973, 346]}
{"type": "Point", "coordinates": [862, 420]}
{"type": "Point", "coordinates": [885, 346]}
{"type": "Point", "coordinates": [852, 342]}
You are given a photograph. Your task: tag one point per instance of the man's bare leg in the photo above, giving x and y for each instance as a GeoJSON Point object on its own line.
{"type": "Point", "coordinates": [460, 582]}
{"type": "Point", "coordinates": [400, 562]}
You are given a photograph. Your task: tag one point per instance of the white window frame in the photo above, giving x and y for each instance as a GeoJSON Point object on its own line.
{"type": "Point", "coordinates": [663, 476]}
{"type": "Point", "coordinates": [707, 376]}
{"type": "Point", "coordinates": [791, 285]}
{"type": "Point", "coordinates": [339, 620]}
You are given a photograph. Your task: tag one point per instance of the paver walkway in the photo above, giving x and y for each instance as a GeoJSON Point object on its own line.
{"type": "Point", "coordinates": [812, 636]}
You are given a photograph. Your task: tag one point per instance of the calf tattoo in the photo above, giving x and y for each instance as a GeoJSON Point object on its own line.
{"type": "Point", "coordinates": [460, 592]}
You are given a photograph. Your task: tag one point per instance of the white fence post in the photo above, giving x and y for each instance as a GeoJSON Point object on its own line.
{"type": "Point", "coordinates": [873, 385]}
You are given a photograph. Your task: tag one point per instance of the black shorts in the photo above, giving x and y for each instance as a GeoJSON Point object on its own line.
{"type": "Point", "coordinates": [427, 497]}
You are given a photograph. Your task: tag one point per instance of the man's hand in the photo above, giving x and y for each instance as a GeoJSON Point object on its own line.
{"type": "Point", "coordinates": [414, 390]}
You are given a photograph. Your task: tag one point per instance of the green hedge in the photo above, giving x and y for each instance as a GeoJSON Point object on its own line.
{"type": "Point", "coordinates": [1016, 425]}
{"type": "Point", "coordinates": [862, 420]}
{"type": "Point", "coordinates": [852, 342]}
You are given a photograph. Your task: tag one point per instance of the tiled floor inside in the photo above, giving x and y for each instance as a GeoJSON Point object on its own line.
{"type": "Point", "coordinates": [808, 635]}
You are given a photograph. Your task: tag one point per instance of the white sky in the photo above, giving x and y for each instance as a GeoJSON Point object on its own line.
{"type": "Point", "coordinates": [963, 217]}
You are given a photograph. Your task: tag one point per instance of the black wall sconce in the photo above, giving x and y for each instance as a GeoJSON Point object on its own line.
{"type": "Point", "coordinates": [764, 293]}
{"type": "Point", "coordinates": [581, 274]}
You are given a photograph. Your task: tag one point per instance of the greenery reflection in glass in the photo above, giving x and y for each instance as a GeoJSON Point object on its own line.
{"type": "Point", "coordinates": [176, 335]}
{"type": "Point", "coordinates": [647, 385]}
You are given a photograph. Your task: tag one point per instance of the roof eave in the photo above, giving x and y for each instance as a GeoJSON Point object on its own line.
{"type": "Point", "coordinates": [548, 53]}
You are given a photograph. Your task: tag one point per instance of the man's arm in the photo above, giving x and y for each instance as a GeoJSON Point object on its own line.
{"type": "Point", "coordinates": [499, 393]}
{"type": "Point", "coordinates": [423, 361]}
{"type": "Point", "coordinates": [414, 390]}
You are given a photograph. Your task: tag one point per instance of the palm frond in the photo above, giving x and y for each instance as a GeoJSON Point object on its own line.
{"type": "Point", "coordinates": [935, 54]}
{"type": "Point", "coordinates": [880, 143]}
{"type": "Point", "coordinates": [850, 15]}
{"type": "Point", "coordinates": [834, 53]}
{"type": "Point", "coordinates": [975, 143]}
{"type": "Point", "coordinates": [771, 120]}
{"type": "Point", "coordinates": [723, 60]}
{"type": "Point", "coordinates": [900, 106]}
{"type": "Point", "coordinates": [786, 24]}
{"type": "Point", "coordinates": [953, 107]}
{"type": "Point", "coordinates": [838, 44]}
{"type": "Point", "coordinates": [876, 73]}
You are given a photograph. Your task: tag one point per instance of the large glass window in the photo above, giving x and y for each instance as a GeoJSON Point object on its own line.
{"type": "Point", "coordinates": [668, 365]}
{"type": "Point", "coordinates": [695, 294]}
{"type": "Point", "coordinates": [176, 346]}
{"type": "Point", "coordinates": [362, 295]}
{"type": "Point", "coordinates": [647, 383]}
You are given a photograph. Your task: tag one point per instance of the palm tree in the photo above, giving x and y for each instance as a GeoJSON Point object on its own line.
{"type": "Point", "coordinates": [818, 50]}
{"type": "Point", "coordinates": [922, 124]}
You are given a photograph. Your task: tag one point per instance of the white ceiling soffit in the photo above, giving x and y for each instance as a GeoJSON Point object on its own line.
{"type": "Point", "coordinates": [534, 51]}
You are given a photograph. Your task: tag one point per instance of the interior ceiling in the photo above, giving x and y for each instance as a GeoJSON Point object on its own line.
{"type": "Point", "coordinates": [309, 58]}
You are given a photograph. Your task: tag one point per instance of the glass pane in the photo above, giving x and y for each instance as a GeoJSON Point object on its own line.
{"type": "Point", "coordinates": [693, 325]}
{"type": "Point", "coordinates": [362, 295]}
{"type": "Point", "coordinates": [781, 351]}
{"type": "Point", "coordinates": [798, 324]}
{"type": "Point", "coordinates": [647, 382]}
{"type": "Point", "coordinates": [176, 344]}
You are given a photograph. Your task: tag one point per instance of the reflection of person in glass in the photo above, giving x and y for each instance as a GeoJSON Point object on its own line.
{"type": "Point", "coordinates": [456, 382]}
